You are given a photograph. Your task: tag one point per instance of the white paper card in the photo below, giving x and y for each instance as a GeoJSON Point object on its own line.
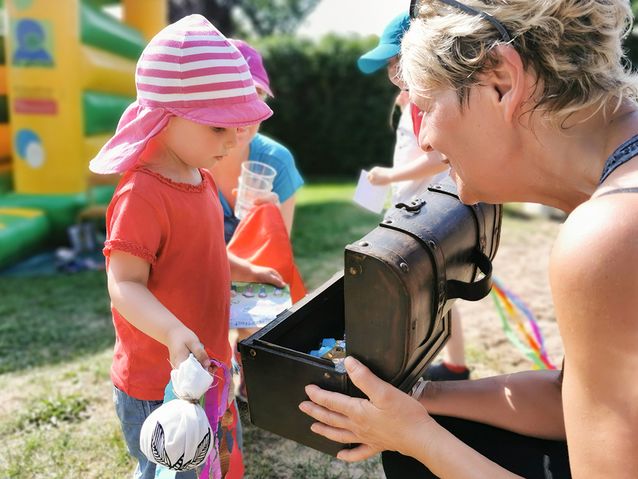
{"type": "Point", "coordinates": [254, 305]}
{"type": "Point", "coordinates": [370, 196]}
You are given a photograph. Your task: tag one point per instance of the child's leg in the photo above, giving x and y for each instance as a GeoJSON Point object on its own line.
{"type": "Point", "coordinates": [455, 347]}
{"type": "Point", "coordinates": [132, 413]}
{"type": "Point", "coordinates": [453, 366]}
{"type": "Point", "coordinates": [232, 444]}
{"type": "Point", "coordinates": [241, 333]}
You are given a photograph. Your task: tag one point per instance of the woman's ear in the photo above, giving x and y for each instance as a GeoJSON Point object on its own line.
{"type": "Point", "coordinates": [508, 80]}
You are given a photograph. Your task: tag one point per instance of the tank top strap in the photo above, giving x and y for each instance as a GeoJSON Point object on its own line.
{"type": "Point", "coordinates": [622, 154]}
{"type": "Point", "coordinates": [620, 190]}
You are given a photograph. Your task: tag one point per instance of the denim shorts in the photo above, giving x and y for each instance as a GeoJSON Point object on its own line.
{"type": "Point", "coordinates": [132, 413]}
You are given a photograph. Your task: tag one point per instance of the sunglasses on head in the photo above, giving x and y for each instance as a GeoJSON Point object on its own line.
{"type": "Point", "coordinates": [414, 4]}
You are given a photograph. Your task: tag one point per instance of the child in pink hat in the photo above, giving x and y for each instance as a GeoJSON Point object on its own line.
{"type": "Point", "coordinates": [167, 267]}
{"type": "Point", "coordinates": [255, 146]}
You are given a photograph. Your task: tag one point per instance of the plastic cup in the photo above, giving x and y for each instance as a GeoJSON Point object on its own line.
{"type": "Point", "coordinates": [253, 173]}
{"type": "Point", "coordinates": [256, 179]}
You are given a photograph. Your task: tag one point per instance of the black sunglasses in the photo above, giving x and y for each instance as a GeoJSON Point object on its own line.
{"type": "Point", "coordinates": [472, 11]}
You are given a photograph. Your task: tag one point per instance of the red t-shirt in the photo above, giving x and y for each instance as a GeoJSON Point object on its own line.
{"type": "Point", "coordinates": [179, 229]}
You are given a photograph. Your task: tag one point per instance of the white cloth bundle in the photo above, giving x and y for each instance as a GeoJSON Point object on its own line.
{"type": "Point", "coordinates": [177, 434]}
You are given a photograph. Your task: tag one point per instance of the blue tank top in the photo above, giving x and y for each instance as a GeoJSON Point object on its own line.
{"type": "Point", "coordinates": [625, 152]}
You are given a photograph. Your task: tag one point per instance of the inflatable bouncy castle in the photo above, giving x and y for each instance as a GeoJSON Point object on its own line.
{"type": "Point", "coordinates": [66, 75]}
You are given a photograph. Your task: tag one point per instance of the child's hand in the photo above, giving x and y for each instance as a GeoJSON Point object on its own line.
{"type": "Point", "coordinates": [271, 197]}
{"type": "Point", "coordinates": [380, 175]}
{"type": "Point", "coordinates": [181, 342]}
{"type": "Point", "coordinates": [262, 274]}
{"type": "Point", "coordinates": [402, 99]}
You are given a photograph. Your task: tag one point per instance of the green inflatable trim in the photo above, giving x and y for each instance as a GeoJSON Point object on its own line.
{"type": "Point", "coordinates": [2, 57]}
{"type": "Point", "coordinates": [102, 31]}
{"type": "Point", "coordinates": [100, 3]}
{"type": "Point", "coordinates": [6, 182]}
{"type": "Point", "coordinates": [102, 194]}
{"type": "Point", "coordinates": [60, 210]}
{"type": "Point", "coordinates": [102, 111]}
{"type": "Point", "coordinates": [21, 236]}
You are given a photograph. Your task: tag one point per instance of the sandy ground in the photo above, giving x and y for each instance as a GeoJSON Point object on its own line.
{"type": "Point", "coordinates": [521, 265]}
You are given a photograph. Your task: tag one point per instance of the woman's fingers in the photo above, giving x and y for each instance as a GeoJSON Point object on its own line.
{"type": "Point", "coordinates": [332, 401]}
{"type": "Point", "coordinates": [324, 415]}
{"type": "Point", "coordinates": [373, 387]}
{"type": "Point", "coordinates": [359, 453]}
{"type": "Point", "coordinates": [334, 433]}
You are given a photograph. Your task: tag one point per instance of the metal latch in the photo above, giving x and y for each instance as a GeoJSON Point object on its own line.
{"type": "Point", "coordinates": [415, 205]}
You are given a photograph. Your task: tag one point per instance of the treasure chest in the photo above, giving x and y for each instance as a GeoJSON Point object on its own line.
{"type": "Point", "coordinates": [390, 303]}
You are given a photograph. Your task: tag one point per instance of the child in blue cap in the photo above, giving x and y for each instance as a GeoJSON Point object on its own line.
{"type": "Point", "coordinates": [412, 171]}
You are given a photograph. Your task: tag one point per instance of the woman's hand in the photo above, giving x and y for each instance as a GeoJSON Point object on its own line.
{"type": "Point", "coordinates": [181, 342]}
{"type": "Point", "coordinates": [388, 420]}
{"type": "Point", "coordinates": [263, 274]}
{"type": "Point", "coordinates": [380, 175]}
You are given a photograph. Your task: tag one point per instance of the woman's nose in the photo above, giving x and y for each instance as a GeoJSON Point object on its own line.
{"type": "Point", "coordinates": [424, 144]}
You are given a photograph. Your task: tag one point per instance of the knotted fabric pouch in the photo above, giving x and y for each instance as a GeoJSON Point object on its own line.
{"type": "Point", "coordinates": [178, 434]}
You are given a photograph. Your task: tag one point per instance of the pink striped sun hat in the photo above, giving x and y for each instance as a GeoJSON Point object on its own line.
{"type": "Point", "coordinates": [255, 63]}
{"type": "Point", "coordinates": [190, 70]}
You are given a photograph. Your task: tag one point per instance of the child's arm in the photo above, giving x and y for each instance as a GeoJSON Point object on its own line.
{"type": "Point", "coordinates": [127, 283]}
{"type": "Point", "coordinates": [244, 270]}
{"type": "Point", "coordinates": [428, 164]}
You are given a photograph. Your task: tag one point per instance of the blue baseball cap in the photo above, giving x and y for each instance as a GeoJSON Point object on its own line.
{"type": "Point", "coordinates": [389, 45]}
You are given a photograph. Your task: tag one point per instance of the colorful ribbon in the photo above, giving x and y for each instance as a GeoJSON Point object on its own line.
{"type": "Point", "coordinates": [525, 335]}
{"type": "Point", "coordinates": [215, 403]}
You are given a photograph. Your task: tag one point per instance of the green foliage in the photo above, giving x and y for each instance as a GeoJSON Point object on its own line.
{"type": "Point", "coordinates": [270, 17]}
{"type": "Point", "coordinates": [631, 42]}
{"type": "Point", "coordinates": [333, 118]}
{"type": "Point", "coordinates": [56, 341]}
{"type": "Point", "coordinates": [631, 46]}
{"type": "Point", "coordinates": [52, 411]}
{"type": "Point", "coordinates": [320, 255]}
{"type": "Point", "coordinates": [257, 17]}
{"type": "Point", "coordinates": [52, 319]}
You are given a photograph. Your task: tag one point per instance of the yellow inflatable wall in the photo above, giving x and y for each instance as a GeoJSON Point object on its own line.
{"type": "Point", "coordinates": [55, 70]}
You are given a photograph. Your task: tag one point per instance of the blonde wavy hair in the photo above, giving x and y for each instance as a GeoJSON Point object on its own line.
{"type": "Point", "coordinates": [574, 47]}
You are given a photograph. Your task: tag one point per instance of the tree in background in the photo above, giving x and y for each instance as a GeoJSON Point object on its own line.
{"type": "Point", "coordinates": [217, 11]}
{"type": "Point", "coordinates": [631, 42]}
{"type": "Point", "coordinates": [252, 17]}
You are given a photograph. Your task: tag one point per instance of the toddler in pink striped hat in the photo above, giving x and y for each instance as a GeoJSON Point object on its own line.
{"type": "Point", "coordinates": [191, 71]}
{"type": "Point", "coordinates": [167, 267]}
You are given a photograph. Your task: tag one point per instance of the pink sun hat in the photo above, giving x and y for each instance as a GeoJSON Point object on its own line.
{"type": "Point", "coordinates": [256, 65]}
{"type": "Point", "coordinates": [190, 70]}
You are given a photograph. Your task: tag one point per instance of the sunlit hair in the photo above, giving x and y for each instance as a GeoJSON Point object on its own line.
{"type": "Point", "coordinates": [573, 46]}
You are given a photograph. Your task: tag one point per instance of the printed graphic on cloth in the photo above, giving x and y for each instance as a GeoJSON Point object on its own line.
{"type": "Point", "coordinates": [254, 305]}
{"type": "Point", "coordinates": [160, 454]}
{"type": "Point", "coordinates": [181, 434]}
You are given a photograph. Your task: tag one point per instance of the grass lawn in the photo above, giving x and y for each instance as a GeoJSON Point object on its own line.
{"type": "Point", "coordinates": [56, 414]}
